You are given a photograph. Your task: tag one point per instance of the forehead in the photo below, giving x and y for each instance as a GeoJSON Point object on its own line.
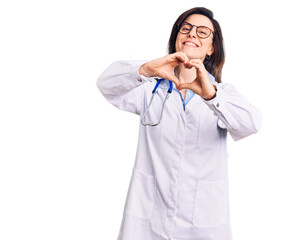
{"type": "Point", "coordinates": [199, 20]}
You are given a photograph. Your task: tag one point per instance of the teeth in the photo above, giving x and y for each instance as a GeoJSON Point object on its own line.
{"type": "Point", "coordinates": [191, 44]}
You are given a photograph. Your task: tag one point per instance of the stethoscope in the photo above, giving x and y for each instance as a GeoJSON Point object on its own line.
{"type": "Point", "coordinates": [219, 123]}
{"type": "Point", "coordinates": [153, 94]}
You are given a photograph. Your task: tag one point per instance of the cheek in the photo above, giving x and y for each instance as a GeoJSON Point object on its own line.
{"type": "Point", "coordinates": [177, 44]}
{"type": "Point", "coordinates": [207, 45]}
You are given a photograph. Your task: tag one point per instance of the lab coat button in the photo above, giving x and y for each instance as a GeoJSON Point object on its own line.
{"type": "Point", "coordinates": [139, 79]}
{"type": "Point", "coordinates": [217, 105]}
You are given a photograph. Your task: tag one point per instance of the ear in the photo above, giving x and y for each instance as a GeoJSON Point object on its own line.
{"type": "Point", "coordinates": [211, 50]}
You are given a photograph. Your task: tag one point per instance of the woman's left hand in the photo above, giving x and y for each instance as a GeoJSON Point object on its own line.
{"type": "Point", "coordinates": [202, 84]}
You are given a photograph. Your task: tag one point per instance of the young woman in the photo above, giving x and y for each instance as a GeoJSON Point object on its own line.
{"type": "Point", "coordinates": [179, 185]}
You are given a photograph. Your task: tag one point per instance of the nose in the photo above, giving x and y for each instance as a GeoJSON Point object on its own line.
{"type": "Point", "coordinates": [193, 33]}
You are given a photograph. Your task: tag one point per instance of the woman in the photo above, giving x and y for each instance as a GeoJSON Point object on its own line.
{"type": "Point", "coordinates": [179, 186]}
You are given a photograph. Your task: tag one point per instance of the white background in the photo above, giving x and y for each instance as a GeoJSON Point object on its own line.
{"type": "Point", "coordinates": [66, 154]}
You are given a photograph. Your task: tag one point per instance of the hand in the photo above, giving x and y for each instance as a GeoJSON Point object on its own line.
{"type": "Point", "coordinates": [202, 84]}
{"type": "Point", "coordinates": [164, 67]}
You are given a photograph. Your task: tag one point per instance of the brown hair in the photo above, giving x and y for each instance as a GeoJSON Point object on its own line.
{"type": "Point", "coordinates": [215, 64]}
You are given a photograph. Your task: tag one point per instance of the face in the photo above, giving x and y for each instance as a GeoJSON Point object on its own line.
{"type": "Point", "coordinates": [192, 45]}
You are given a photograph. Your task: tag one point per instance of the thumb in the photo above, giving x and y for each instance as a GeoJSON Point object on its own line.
{"type": "Point", "coordinates": [184, 86]}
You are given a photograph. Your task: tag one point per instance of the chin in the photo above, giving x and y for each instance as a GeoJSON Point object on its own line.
{"type": "Point", "coordinates": [193, 56]}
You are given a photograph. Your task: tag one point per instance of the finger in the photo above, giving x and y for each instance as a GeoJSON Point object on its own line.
{"type": "Point", "coordinates": [181, 56]}
{"type": "Point", "coordinates": [175, 80]}
{"type": "Point", "coordinates": [194, 61]}
{"type": "Point", "coordinates": [192, 86]}
{"type": "Point", "coordinates": [184, 56]}
{"type": "Point", "coordinates": [185, 86]}
{"type": "Point", "coordinates": [197, 62]}
{"type": "Point", "coordinates": [198, 65]}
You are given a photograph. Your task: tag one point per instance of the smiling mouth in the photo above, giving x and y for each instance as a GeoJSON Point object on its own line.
{"type": "Point", "coordinates": [190, 44]}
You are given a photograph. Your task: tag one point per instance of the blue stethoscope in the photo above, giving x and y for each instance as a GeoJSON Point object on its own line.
{"type": "Point", "coordinates": [153, 94]}
{"type": "Point", "coordinates": [219, 123]}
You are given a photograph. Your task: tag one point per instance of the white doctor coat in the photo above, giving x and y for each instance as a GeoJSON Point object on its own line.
{"type": "Point", "coordinates": [179, 185]}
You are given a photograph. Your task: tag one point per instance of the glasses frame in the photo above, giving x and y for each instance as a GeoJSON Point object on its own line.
{"type": "Point", "coordinates": [180, 25]}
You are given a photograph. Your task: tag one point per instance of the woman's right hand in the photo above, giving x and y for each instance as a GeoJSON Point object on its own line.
{"type": "Point", "coordinates": [164, 67]}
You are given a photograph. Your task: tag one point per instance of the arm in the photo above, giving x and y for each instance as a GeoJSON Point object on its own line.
{"type": "Point", "coordinates": [122, 85]}
{"type": "Point", "coordinates": [239, 116]}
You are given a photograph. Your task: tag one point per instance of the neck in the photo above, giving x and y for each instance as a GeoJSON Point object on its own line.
{"type": "Point", "coordinates": [185, 74]}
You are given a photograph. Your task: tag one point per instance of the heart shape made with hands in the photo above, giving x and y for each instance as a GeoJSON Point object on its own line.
{"type": "Point", "coordinates": [165, 68]}
{"type": "Point", "coordinates": [201, 85]}
{"type": "Point", "coordinates": [199, 82]}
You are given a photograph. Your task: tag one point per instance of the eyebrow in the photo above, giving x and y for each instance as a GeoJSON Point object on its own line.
{"type": "Point", "coordinates": [212, 29]}
{"type": "Point", "coordinates": [197, 25]}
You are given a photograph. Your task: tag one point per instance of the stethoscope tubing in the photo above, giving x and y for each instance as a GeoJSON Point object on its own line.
{"type": "Point", "coordinates": [162, 108]}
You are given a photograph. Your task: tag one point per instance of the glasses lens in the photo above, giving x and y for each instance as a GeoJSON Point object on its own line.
{"type": "Point", "coordinates": [203, 32]}
{"type": "Point", "coordinates": [185, 28]}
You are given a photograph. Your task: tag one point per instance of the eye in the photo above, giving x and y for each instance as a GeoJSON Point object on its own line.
{"type": "Point", "coordinates": [203, 31]}
{"type": "Point", "coordinates": [185, 28]}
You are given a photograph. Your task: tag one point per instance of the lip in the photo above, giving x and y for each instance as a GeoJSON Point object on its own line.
{"type": "Point", "coordinates": [195, 45]}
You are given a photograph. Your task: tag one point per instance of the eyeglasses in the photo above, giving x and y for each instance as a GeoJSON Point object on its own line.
{"type": "Point", "coordinates": [201, 31]}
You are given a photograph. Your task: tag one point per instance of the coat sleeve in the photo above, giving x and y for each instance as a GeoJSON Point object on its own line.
{"type": "Point", "coordinates": [238, 115]}
{"type": "Point", "coordinates": [122, 85]}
